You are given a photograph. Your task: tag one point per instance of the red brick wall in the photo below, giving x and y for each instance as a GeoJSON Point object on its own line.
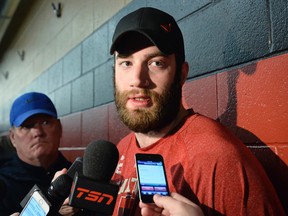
{"type": "Point", "coordinates": [252, 101]}
{"type": "Point", "coordinates": [81, 128]}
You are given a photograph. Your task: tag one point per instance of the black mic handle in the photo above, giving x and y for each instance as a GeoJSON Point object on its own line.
{"type": "Point", "coordinates": [57, 192]}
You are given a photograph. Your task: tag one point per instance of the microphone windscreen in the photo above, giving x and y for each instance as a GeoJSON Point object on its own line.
{"type": "Point", "coordinates": [60, 188]}
{"type": "Point", "coordinates": [100, 160]}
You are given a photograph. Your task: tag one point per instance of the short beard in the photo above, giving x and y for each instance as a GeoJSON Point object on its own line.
{"type": "Point", "coordinates": [165, 109]}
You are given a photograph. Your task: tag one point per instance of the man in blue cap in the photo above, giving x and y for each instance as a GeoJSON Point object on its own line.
{"type": "Point", "coordinates": [35, 133]}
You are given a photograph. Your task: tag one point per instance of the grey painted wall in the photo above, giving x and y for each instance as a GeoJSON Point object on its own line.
{"type": "Point", "coordinates": [218, 34]}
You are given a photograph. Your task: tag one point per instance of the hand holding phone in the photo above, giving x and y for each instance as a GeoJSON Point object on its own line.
{"type": "Point", "coordinates": [151, 176]}
{"type": "Point", "coordinates": [36, 205]}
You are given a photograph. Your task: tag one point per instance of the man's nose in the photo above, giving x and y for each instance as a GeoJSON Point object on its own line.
{"type": "Point", "coordinates": [140, 76]}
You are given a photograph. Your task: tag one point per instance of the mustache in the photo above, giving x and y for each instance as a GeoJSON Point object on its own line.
{"type": "Point", "coordinates": [145, 92]}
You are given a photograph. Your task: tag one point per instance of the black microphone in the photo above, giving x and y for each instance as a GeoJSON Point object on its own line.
{"type": "Point", "coordinates": [53, 198]}
{"type": "Point", "coordinates": [93, 191]}
{"type": "Point", "coordinates": [59, 189]}
{"type": "Point", "coordinates": [76, 167]}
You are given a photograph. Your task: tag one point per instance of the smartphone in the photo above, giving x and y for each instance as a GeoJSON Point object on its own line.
{"type": "Point", "coordinates": [37, 205]}
{"type": "Point", "coordinates": [151, 176]}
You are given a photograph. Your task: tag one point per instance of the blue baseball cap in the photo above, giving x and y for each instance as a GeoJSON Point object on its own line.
{"type": "Point", "coordinates": [29, 104]}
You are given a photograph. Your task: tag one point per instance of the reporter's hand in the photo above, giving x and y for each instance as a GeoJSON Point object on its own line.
{"type": "Point", "coordinates": [174, 205]}
{"type": "Point", "coordinates": [66, 209]}
{"type": "Point", "coordinates": [58, 173]}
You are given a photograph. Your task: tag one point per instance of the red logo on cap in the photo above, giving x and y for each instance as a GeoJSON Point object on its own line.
{"type": "Point", "coordinates": [167, 27]}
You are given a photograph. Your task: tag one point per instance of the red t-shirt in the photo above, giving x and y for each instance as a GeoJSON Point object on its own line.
{"type": "Point", "coordinates": [205, 163]}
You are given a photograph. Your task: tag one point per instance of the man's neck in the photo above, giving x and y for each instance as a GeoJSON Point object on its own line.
{"type": "Point", "coordinates": [44, 161]}
{"type": "Point", "coordinates": [147, 139]}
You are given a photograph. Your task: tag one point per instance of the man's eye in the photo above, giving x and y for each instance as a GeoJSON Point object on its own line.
{"type": "Point", "coordinates": [27, 126]}
{"type": "Point", "coordinates": [157, 64]}
{"type": "Point", "coordinates": [125, 63]}
{"type": "Point", "coordinates": [45, 122]}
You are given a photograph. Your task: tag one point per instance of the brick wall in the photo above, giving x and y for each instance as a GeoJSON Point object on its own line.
{"type": "Point", "coordinates": [237, 51]}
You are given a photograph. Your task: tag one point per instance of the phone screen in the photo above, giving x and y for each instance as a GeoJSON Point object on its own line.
{"type": "Point", "coordinates": [36, 205]}
{"type": "Point", "coordinates": [151, 176]}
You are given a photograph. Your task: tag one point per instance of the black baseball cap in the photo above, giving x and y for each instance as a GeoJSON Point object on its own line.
{"type": "Point", "coordinates": [159, 27]}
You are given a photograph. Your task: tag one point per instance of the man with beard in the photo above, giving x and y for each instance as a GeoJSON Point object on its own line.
{"type": "Point", "coordinates": [204, 161]}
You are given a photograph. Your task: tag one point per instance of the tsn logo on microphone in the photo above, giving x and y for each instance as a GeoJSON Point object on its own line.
{"type": "Point", "coordinates": [94, 196]}
{"type": "Point", "coordinates": [89, 194]}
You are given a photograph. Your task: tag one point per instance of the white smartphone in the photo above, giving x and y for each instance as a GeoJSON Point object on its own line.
{"type": "Point", "coordinates": [151, 176]}
{"type": "Point", "coordinates": [37, 205]}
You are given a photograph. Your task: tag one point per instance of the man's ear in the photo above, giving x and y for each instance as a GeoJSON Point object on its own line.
{"type": "Point", "coordinates": [184, 72]}
{"type": "Point", "coordinates": [12, 136]}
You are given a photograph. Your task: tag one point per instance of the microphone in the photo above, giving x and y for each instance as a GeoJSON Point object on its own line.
{"type": "Point", "coordinates": [76, 167]}
{"type": "Point", "coordinates": [49, 202]}
{"type": "Point", "coordinates": [93, 191]}
{"type": "Point", "coordinates": [59, 189]}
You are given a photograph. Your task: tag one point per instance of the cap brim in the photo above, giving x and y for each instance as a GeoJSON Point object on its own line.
{"type": "Point", "coordinates": [20, 119]}
{"type": "Point", "coordinates": [154, 38]}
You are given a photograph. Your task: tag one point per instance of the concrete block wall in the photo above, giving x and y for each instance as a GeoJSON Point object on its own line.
{"type": "Point", "coordinates": [237, 51]}
{"type": "Point", "coordinates": [46, 39]}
